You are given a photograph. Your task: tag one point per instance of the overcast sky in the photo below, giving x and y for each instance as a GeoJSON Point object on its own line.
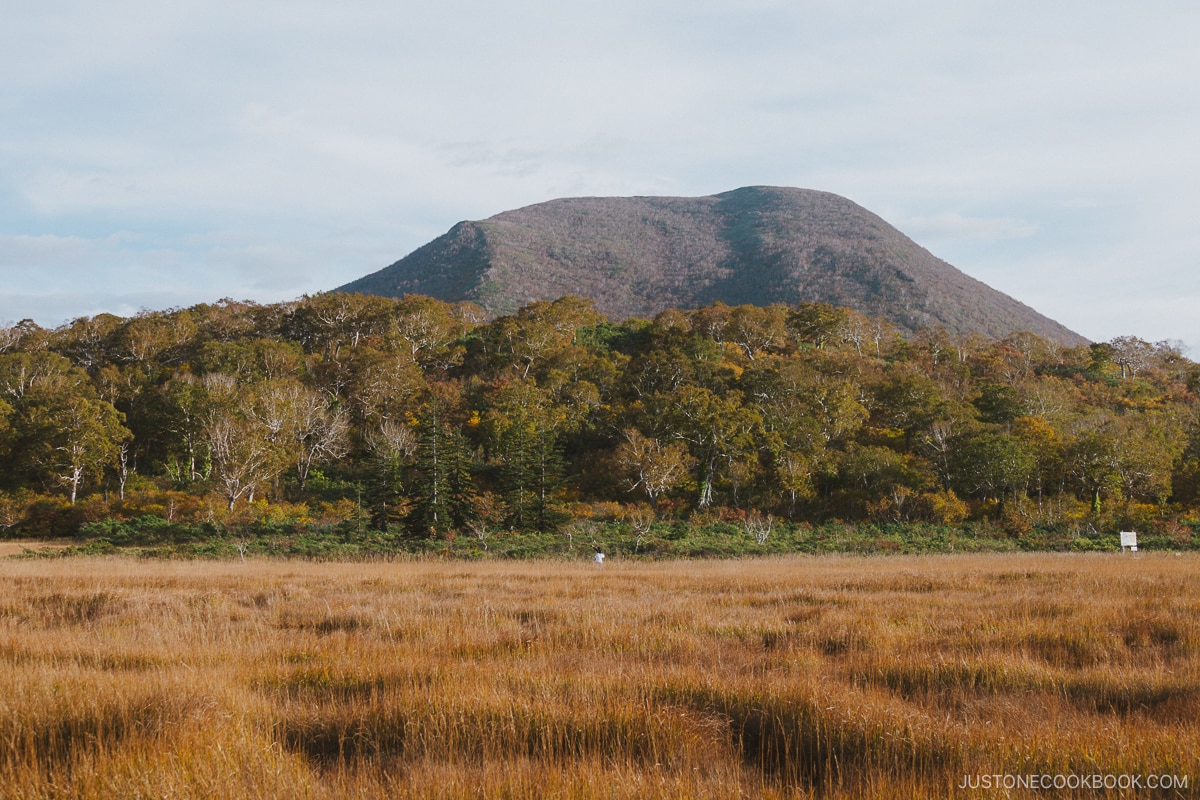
{"type": "Point", "coordinates": [160, 154]}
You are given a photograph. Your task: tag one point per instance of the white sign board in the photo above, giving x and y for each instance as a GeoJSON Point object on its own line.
{"type": "Point", "coordinates": [1129, 539]}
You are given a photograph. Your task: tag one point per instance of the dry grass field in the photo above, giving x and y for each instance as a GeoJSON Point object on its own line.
{"type": "Point", "coordinates": [836, 677]}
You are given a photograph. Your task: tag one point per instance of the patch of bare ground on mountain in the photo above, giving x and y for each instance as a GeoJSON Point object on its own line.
{"type": "Point", "coordinates": [798, 677]}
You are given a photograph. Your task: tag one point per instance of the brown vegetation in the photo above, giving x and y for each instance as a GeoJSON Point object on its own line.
{"type": "Point", "coordinates": [802, 677]}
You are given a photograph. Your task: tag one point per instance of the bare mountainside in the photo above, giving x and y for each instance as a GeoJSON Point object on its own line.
{"type": "Point", "coordinates": [635, 256]}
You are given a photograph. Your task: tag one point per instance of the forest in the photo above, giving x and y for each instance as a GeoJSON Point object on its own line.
{"type": "Point", "coordinates": [427, 422]}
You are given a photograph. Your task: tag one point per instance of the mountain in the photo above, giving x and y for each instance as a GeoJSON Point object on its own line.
{"type": "Point", "coordinates": [635, 256]}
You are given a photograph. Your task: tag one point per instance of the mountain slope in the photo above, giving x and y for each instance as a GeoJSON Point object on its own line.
{"type": "Point", "coordinates": [760, 245]}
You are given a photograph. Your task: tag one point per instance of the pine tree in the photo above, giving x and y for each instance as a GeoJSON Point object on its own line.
{"type": "Point", "coordinates": [442, 486]}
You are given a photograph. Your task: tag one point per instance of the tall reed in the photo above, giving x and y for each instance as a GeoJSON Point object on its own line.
{"type": "Point", "coordinates": [885, 677]}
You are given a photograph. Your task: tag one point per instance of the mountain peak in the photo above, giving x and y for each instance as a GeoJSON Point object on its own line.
{"type": "Point", "coordinates": [635, 256]}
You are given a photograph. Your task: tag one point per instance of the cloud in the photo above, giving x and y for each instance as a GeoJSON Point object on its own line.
{"type": "Point", "coordinates": [51, 279]}
{"type": "Point", "coordinates": [953, 226]}
{"type": "Point", "coordinates": [32, 252]}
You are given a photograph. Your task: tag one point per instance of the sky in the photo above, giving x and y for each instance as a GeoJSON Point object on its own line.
{"type": "Point", "coordinates": [160, 154]}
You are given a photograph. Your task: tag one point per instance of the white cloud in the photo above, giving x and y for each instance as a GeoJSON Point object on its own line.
{"type": "Point", "coordinates": [33, 252]}
{"type": "Point", "coordinates": [955, 227]}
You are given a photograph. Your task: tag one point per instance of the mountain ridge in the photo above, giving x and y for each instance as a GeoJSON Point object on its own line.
{"type": "Point", "coordinates": [635, 256]}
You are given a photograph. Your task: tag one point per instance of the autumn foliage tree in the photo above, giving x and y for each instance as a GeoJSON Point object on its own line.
{"type": "Point", "coordinates": [427, 417]}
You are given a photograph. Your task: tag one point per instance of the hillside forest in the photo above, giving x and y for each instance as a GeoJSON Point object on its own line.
{"type": "Point", "coordinates": [425, 421]}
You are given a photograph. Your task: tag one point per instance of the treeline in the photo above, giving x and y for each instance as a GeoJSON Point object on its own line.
{"type": "Point", "coordinates": [422, 416]}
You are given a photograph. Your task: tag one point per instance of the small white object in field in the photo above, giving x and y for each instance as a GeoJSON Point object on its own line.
{"type": "Point", "coordinates": [1129, 539]}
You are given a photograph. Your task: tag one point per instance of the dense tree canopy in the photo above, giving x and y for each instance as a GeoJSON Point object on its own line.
{"type": "Point", "coordinates": [421, 414]}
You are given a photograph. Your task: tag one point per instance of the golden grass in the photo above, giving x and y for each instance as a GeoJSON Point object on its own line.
{"type": "Point", "coordinates": [874, 678]}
